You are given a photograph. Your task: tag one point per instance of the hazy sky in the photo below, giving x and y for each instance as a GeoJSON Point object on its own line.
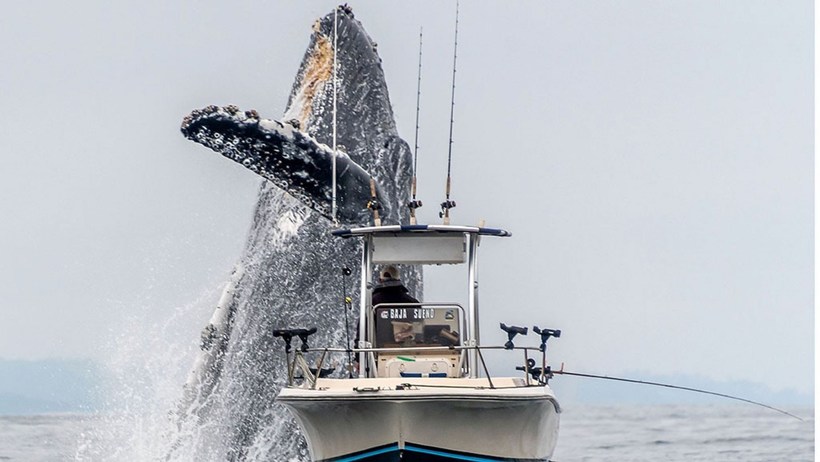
{"type": "Point", "coordinates": [654, 161]}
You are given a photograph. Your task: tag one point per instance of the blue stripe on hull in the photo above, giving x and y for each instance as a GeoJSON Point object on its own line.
{"type": "Point", "coordinates": [414, 453]}
{"type": "Point", "coordinates": [383, 454]}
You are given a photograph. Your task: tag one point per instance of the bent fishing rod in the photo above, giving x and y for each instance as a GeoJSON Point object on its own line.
{"type": "Point", "coordinates": [676, 387]}
{"type": "Point", "coordinates": [544, 373]}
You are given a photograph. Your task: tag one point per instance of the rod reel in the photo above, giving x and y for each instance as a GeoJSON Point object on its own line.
{"type": "Point", "coordinates": [373, 204]}
{"type": "Point", "coordinates": [540, 374]}
{"type": "Point", "coordinates": [413, 205]}
{"type": "Point", "coordinates": [445, 210]}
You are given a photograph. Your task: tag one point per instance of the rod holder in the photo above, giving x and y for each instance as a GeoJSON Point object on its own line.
{"type": "Point", "coordinates": [288, 334]}
{"type": "Point", "coordinates": [545, 335]}
{"type": "Point", "coordinates": [512, 331]}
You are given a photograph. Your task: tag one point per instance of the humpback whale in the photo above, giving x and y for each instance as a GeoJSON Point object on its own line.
{"type": "Point", "coordinates": [286, 275]}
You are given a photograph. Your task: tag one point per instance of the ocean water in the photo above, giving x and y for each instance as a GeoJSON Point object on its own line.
{"type": "Point", "coordinates": [588, 433]}
{"type": "Point", "coordinates": [684, 433]}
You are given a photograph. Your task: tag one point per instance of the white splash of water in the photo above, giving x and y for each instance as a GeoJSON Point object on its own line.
{"type": "Point", "coordinates": [148, 363]}
{"type": "Point", "coordinates": [287, 226]}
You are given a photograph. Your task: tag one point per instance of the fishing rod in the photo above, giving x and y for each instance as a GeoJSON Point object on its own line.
{"type": "Point", "coordinates": [544, 373]}
{"type": "Point", "coordinates": [676, 387]}
{"type": "Point", "coordinates": [448, 204]}
{"type": "Point", "coordinates": [414, 204]}
{"type": "Point", "coordinates": [335, 91]}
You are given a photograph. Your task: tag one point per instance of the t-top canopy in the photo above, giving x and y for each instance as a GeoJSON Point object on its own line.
{"type": "Point", "coordinates": [393, 229]}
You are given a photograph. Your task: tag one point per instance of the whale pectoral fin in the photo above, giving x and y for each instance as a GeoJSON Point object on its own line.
{"type": "Point", "coordinates": [289, 158]}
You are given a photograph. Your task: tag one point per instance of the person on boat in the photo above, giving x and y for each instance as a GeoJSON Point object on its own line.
{"type": "Point", "coordinates": [390, 289]}
{"type": "Point", "coordinates": [393, 325]}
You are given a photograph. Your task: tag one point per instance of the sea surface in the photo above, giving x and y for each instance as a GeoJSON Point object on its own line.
{"type": "Point", "coordinates": [588, 433]}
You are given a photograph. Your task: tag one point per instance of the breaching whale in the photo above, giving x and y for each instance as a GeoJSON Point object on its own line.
{"type": "Point", "coordinates": [287, 273]}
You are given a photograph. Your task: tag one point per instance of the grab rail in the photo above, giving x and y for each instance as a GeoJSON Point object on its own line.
{"type": "Point", "coordinates": [541, 375]}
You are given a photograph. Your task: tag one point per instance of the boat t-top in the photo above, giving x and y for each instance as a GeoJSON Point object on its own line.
{"type": "Point", "coordinates": [418, 388]}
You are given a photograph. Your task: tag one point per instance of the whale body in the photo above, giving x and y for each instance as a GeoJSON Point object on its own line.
{"type": "Point", "coordinates": [290, 272]}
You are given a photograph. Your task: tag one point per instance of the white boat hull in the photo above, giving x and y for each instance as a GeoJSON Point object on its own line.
{"type": "Point", "coordinates": [435, 419]}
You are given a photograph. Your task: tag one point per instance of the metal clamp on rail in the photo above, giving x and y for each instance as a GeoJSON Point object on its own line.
{"type": "Point", "coordinates": [303, 336]}
{"type": "Point", "coordinates": [512, 331]}
{"type": "Point", "coordinates": [288, 334]}
{"type": "Point", "coordinates": [540, 374]}
{"type": "Point", "coordinates": [545, 335]}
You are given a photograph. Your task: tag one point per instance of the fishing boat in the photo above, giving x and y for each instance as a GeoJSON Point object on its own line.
{"type": "Point", "coordinates": [415, 385]}
{"type": "Point", "coordinates": [420, 389]}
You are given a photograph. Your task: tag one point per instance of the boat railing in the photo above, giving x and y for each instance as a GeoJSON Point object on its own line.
{"type": "Point", "coordinates": [533, 375]}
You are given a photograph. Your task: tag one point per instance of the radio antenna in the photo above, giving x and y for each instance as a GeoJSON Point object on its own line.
{"type": "Point", "coordinates": [414, 204]}
{"type": "Point", "coordinates": [335, 37]}
{"type": "Point", "coordinates": [348, 302]}
{"type": "Point", "coordinates": [448, 204]}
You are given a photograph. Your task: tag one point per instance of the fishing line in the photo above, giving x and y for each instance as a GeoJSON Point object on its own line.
{"type": "Point", "coordinates": [677, 387]}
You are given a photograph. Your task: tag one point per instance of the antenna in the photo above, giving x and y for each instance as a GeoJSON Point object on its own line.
{"type": "Point", "coordinates": [347, 306]}
{"type": "Point", "coordinates": [448, 204]}
{"type": "Point", "coordinates": [335, 37]}
{"type": "Point", "coordinates": [414, 204]}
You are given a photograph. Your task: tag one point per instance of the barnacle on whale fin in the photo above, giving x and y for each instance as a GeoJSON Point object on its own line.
{"type": "Point", "coordinates": [281, 153]}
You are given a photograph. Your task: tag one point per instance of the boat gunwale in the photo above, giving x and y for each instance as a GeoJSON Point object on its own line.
{"type": "Point", "coordinates": [420, 229]}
